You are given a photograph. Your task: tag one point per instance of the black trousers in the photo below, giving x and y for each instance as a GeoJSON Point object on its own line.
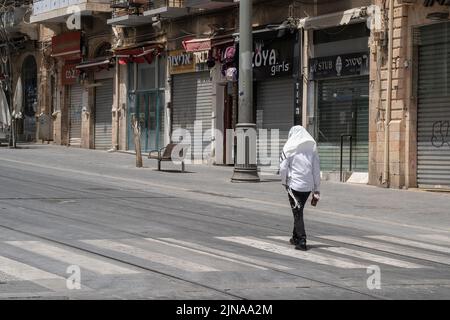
{"type": "Point", "coordinates": [299, 225]}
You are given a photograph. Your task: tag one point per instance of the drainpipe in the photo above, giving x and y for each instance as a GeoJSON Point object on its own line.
{"type": "Point", "coordinates": [387, 117]}
{"type": "Point", "coordinates": [117, 103]}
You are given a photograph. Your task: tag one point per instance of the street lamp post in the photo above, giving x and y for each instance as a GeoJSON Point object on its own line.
{"type": "Point", "coordinates": [245, 169]}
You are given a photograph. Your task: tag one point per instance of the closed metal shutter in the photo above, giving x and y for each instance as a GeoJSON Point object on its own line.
{"type": "Point", "coordinates": [103, 115]}
{"type": "Point", "coordinates": [192, 101]}
{"type": "Point", "coordinates": [433, 168]}
{"type": "Point", "coordinates": [343, 108]}
{"type": "Point", "coordinates": [76, 105]}
{"type": "Point", "coordinates": [274, 111]}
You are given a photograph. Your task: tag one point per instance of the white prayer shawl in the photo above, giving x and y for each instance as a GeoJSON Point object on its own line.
{"type": "Point", "coordinates": [300, 165]}
{"type": "Point", "coordinates": [299, 139]}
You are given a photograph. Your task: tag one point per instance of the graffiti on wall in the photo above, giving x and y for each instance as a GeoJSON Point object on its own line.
{"type": "Point", "coordinates": [440, 136]}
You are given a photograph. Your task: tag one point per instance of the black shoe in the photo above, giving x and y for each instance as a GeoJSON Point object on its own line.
{"type": "Point", "coordinates": [301, 246]}
{"type": "Point", "coordinates": [293, 241]}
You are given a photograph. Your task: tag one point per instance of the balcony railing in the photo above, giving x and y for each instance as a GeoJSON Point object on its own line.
{"type": "Point", "coordinates": [129, 7]}
{"type": "Point", "coordinates": [133, 8]}
{"type": "Point", "coordinates": [166, 3]}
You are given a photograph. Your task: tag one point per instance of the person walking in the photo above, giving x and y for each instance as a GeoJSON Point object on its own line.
{"type": "Point", "coordinates": [300, 175]}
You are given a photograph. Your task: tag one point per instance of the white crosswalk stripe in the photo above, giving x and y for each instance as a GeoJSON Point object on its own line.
{"type": "Point", "coordinates": [360, 254]}
{"type": "Point", "coordinates": [411, 243]}
{"type": "Point", "coordinates": [289, 251]}
{"type": "Point", "coordinates": [151, 256]}
{"type": "Point", "coordinates": [439, 238]}
{"type": "Point", "coordinates": [400, 250]}
{"type": "Point", "coordinates": [25, 272]}
{"type": "Point", "coordinates": [255, 263]}
{"type": "Point", "coordinates": [71, 257]}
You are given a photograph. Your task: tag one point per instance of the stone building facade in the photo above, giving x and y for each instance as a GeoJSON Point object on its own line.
{"type": "Point", "coordinates": [340, 84]}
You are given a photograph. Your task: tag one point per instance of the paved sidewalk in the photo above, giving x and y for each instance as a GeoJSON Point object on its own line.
{"type": "Point", "coordinates": [366, 206]}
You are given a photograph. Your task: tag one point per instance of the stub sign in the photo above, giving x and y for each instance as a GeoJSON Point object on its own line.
{"type": "Point", "coordinates": [355, 64]}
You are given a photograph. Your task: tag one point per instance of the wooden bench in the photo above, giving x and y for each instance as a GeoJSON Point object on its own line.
{"type": "Point", "coordinates": [165, 154]}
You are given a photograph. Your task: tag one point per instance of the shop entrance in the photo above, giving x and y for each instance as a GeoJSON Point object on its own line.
{"type": "Point", "coordinates": [146, 106]}
{"type": "Point", "coordinates": [433, 106]}
{"type": "Point", "coordinates": [27, 125]}
{"type": "Point", "coordinates": [343, 109]}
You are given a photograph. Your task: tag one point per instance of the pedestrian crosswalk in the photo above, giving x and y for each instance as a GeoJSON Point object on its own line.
{"type": "Point", "coordinates": [360, 254]}
{"type": "Point", "coordinates": [392, 248]}
{"type": "Point", "coordinates": [151, 255]}
{"type": "Point", "coordinates": [246, 254]}
{"type": "Point", "coordinates": [286, 251]}
{"type": "Point", "coordinates": [71, 257]}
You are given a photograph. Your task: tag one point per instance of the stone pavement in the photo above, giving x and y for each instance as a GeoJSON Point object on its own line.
{"type": "Point", "coordinates": [140, 233]}
{"type": "Point", "coordinates": [351, 203]}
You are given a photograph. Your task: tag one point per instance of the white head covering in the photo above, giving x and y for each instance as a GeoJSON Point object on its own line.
{"type": "Point", "coordinates": [299, 139]}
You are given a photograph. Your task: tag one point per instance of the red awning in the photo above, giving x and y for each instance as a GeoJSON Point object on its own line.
{"type": "Point", "coordinates": [196, 45]}
{"type": "Point", "coordinates": [99, 63]}
{"type": "Point", "coordinates": [67, 45]}
{"type": "Point", "coordinates": [137, 55]}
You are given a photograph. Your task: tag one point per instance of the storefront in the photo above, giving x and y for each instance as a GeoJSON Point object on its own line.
{"type": "Point", "coordinates": [100, 72]}
{"type": "Point", "coordinates": [67, 48]}
{"type": "Point", "coordinates": [433, 105]}
{"type": "Point", "coordinates": [340, 85]}
{"type": "Point", "coordinates": [192, 102]}
{"type": "Point", "coordinates": [276, 90]}
{"type": "Point", "coordinates": [74, 92]}
{"type": "Point", "coordinates": [29, 79]}
{"type": "Point", "coordinates": [146, 84]}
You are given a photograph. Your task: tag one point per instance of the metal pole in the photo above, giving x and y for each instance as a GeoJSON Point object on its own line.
{"type": "Point", "coordinates": [245, 169]}
{"type": "Point", "coordinates": [341, 159]}
{"type": "Point", "coordinates": [351, 153]}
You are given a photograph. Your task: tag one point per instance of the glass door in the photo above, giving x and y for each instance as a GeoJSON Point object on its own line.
{"type": "Point", "coordinates": [145, 106]}
{"type": "Point", "coordinates": [343, 109]}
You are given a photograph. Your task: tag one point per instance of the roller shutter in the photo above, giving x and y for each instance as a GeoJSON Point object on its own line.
{"type": "Point", "coordinates": [343, 108]}
{"type": "Point", "coordinates": [192, 101]}
{"type": "Point", "coordinates": [433, 167]}
{"type": "Point", "coordinates": [75, 107]}
{"type": "Point", "coordinates": [103, 116]}
{"type": "Point", "coordinates": [275, 110]}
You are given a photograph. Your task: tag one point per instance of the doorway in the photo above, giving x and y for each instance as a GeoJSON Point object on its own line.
{"type": "Point", "coordinates": [343, 109]}
{"type": "Point", "coordinates": [27, 129]}
{"type": "Point", "coordinates": [146, 106]}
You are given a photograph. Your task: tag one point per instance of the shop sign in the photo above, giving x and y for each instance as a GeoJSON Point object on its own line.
{"type": "Point", "coordinates": [67, 44]}
{"type": "Point", "coordinates": [69, 74]}
{"type": "Point", "coordinates": [355, 64]}
{"type": "Point", "coordinates": [181, 61]}
{"type": "Point", "coordinates": [273, 56]}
